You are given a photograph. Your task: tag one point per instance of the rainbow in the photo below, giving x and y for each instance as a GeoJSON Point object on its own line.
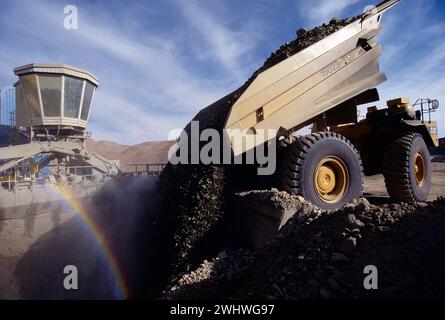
{"type": "Point", "coordinates": [121, 290]}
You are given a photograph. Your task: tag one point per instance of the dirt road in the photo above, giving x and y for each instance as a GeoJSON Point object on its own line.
{"type": "Point", "coordinates": [375, 190]}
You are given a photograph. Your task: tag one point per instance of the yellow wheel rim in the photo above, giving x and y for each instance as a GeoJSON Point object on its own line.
{"type": "Point", "coordinates": [419, 169]}
{"type": "Point", "coordinates": [331, 179]}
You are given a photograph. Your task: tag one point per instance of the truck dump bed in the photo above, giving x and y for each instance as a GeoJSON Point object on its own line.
{"type": "Point", "coordinates": [326, 67]}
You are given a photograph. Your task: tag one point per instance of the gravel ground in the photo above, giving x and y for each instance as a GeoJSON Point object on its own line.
{"type": "Point", "coordinates": [322, 255]}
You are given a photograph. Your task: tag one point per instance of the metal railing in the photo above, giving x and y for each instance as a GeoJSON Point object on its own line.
{"type": "Point", "coordinates": [427, 106]}
{"type": "Point", "coordinates": [54, 174]}
{"type": "Point", "coordinates": [143, 169]}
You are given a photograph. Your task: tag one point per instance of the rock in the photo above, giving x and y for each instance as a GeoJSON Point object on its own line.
{"type": "Point", "coordinates": [390, 219]}
{"type": "Point", "coordinates": [277, 289]}
{"type": "Point", "coordinates": [312, 283]}
{"type": "Point", "coordinates": [422, 205]}
{"type": "Point", "coordinates": [363, 205]}
{"type": "Point", "coordinates": [350, 218]}
{"type": "Point", "coordinates": [339, 259]}
{"type": "Point", "coordinates": [349, 245]}
{"type": "Point", "coordinates": [357, 223]}
{"type": "Point", "coordinates": [334, 284]}
{"type": "Point", "coordinates": [301, 199]}
{"type": "Point", "coordinates": [338, 275]}
{"type": "Point", "coordinates": [222, 255]}
{"type": "Point", "coordinates": [318, 30]}
{"type": "Point", "coordinates": [325, 293]}
{"type": "Point", "coordinates": [301, 33]}
{"type": "Point", "coordinates": [414, 259]}
{"type": "Point", "coordinates": [335, 20]}
{"type": "Point", "coordinates": [384, 228]}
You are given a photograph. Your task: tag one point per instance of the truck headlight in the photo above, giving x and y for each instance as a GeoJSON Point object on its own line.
{"type": "Point", "coordinates": [410, 111]}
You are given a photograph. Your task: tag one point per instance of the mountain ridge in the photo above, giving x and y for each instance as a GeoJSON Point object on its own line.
{"type": "Point", "coordinates": [149, 152]}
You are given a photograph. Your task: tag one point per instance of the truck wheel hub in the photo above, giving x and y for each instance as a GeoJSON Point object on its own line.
{"type": "Point", "coordinates": [419, 169]}
{"type": "Point", "coordinates": [331, 179]}
{"type": "Point", "coordinates": [325, 179]}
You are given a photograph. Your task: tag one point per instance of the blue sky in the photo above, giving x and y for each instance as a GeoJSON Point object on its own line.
{"type": "Point", "coordinates": [159, 62]}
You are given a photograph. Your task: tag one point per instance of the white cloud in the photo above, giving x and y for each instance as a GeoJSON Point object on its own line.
{"type": "Point", "coordinates": [225, 45]}
{"type": "Point", "coordinates": [123, 126]}
{"type": "Point", "coordinates": [321, 11]}
{"type": "Point", "coordinates": [154, 58]}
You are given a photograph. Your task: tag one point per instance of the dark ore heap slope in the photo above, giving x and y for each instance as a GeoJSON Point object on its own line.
{"type": "Point", "coordinates": [323, 256]}
{"type": "Point", "coordinates": [192, 196]}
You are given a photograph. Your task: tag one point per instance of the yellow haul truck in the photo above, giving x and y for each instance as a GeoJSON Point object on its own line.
{"type": "Point", "coordinates": [322, 85]}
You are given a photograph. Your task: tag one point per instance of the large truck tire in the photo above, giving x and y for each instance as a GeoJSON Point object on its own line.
{"type": "Point", "coordinates": [407, 169]}
{"type": "Point", "coordinates": [324, 168]}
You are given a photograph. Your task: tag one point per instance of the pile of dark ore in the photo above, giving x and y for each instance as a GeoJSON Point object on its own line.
{"type": "Point", "coordinates": [323, 256]}
{"type": "Point", "coordinates": [193, 197]}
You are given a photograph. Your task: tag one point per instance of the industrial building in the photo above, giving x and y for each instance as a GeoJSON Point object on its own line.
{"type": "Point", "coordinates": [44, 120]}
